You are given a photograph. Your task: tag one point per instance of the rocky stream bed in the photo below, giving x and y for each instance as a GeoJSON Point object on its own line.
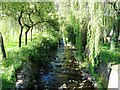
{"type": "Point", "coordinates": [64, 74]}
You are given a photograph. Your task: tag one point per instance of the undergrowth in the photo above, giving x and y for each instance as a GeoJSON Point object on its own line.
{"type": "Point", "coordinates": [37, 53]}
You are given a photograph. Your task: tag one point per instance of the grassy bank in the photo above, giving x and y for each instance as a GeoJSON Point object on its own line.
{"type": "Point", "coordinates": [37, 52]}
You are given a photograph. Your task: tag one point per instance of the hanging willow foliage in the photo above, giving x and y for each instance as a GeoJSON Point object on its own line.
{"type": "Point", "coordinates": [94, 32]}
{"type": "Point", "coordinates": [90, 22]}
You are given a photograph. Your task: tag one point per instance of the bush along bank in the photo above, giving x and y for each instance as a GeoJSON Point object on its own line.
{"type": "Point", "coordinates": [39, 57]}
{"type": "Point", "coordinates": [23, 64]}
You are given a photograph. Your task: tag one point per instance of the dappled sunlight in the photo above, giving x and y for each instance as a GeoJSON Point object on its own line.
{"type": "Point", "coordinates": [45, 35]}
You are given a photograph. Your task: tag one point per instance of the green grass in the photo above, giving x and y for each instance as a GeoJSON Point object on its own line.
{"type": "Point", "coordinates": [107, 56]}
{"type": "Point", "coordinates": [36, 52]}
{"type": "Point", "coordinates": [110, 56]}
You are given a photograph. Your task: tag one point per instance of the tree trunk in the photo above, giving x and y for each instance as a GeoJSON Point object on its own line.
{"type": "Point", "coordinates": [118, 28]}
{"type": "Point", "coordinates": [25, 38]}
{"type": "Point", "coordinates": [26, 35]}
{"type": "Point", "coordinates": [2, 46]}
{"type": "Point", "coordinates": [20, 37]}
{"type": "Point", "coordinates": [21, 26]}
{"type": "Point", "coordinates": [31, 26]}
{"type": "Point", "coordinates": [31, 33]}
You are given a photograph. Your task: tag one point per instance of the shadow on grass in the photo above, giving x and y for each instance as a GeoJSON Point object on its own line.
{"type": "Point", "coordinates": [7, 85]}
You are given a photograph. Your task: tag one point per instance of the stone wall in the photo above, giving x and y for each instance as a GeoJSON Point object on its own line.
{"type": "Point", "coordinates": [24, 77]}
{"type": "Point", "coordinates": [114, 80]}
{"type": "Point", "coordinates": [104, 72]}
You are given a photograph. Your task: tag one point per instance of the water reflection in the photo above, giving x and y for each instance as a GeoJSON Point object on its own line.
{"type": "Point", "coordinates": [64, 74]}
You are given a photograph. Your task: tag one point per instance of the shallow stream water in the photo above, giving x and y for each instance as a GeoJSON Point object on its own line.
{"type": "Point", "coordinates": [64, 74]}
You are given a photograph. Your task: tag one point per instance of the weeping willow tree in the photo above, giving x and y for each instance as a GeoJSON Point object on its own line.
{"type": "Point", "coordinates": [111, 24]}
{"type": "Point", "coordinates": [88, 14]}
{"type": "Point", "coordinates": [91, 23]}
{"type": "Point", "coordinates": [75, 21]}
{"type": "Point", "coordinates": [73, 14]}
{"type": "Point", "coordinates": [94, 32]}
{"type": "Point", "coordinates": [2, 46]}
{"type": "Point", "coordinates": [114, 35]}
{"type": "Point", "coordinates": [78, 40]}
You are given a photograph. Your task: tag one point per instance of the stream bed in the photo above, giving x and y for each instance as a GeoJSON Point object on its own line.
{"type": "Point", "coordinates": [64, 74]}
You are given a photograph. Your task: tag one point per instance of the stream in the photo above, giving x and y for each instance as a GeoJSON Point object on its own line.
{"type": "Point", "coordinates": [64, 74]}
